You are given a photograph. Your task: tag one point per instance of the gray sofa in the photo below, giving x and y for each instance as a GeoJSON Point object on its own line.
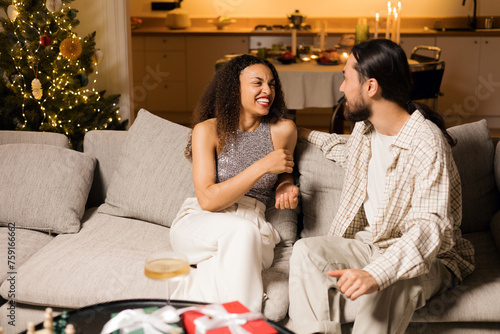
{"type": "Point", "coordinates": [85, 222]}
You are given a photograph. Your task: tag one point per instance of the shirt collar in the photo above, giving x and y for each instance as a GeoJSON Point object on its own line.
{"type": "Point", "coordinates": [407, 132]}
{"type": "Point", "coordinates": [409, 129]}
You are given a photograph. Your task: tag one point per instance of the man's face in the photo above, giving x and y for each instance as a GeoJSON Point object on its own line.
{"type": "Point", "coordinates": [356, 107]}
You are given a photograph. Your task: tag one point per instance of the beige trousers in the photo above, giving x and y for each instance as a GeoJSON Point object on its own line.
{"type": "Point", "coordinates": [230, 249]}
{"type": "Point", "coordinates": [315, 304]}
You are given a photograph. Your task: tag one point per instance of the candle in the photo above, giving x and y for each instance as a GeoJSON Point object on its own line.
{"type": "Point", "coordinates": [322, 36]}
{"type": "Point", "coordinates": [398, 30]}
{"type": "Point", "coordinates": [375, 35]}
{"type": "Point", "coordinates": [394, 26]}
{"type": "Point", "coordinates": [294, 42]}
{"type": "Point", "coordinates": [343, 57]}
{"type": "Point", "coordinates": [389, 14]}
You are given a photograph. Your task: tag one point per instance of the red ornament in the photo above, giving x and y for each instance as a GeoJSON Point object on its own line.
{"type": "Point", "coordinates": [45, 40]}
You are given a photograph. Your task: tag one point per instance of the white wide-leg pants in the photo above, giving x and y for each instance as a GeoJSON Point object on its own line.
{"type": "Point", "coordinates": [315, 303]}
{"type": "Point", "coordinates": [230, 249]}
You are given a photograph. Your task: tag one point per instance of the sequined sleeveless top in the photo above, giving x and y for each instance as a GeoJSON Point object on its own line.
{"type": "Point", "coordinates": [244, 150]}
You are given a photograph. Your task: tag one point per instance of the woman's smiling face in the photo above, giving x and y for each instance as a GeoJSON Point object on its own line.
{"type": "Point", "coordinates": [256, 89]}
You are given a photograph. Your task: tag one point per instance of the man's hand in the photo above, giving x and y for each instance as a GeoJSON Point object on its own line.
{"type": "Point", "coordinates": [303, 133]}
{"type": "Point", "coordinates": [287, 196]}
{"type": "Point", "coordinates": [354, 283]}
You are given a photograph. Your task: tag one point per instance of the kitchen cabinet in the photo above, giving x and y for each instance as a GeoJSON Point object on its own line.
{"type": "Point", "coordinates": [171, 72]}
{"type": "Point", "coordinates": [488, 88]}
{"type": "Point", "coordinates": [202, 53]}
{"type": "Point", "coordinates": [159, 72]}
{"type": "Point", "coordinates": [471, 82]}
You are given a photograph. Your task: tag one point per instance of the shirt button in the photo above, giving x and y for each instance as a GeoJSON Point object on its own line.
{"type": "Point", "coordinates": [348, 216]}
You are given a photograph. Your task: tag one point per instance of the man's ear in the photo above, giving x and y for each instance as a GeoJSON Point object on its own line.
{"type": "Point", "coordinates": [373, 87]}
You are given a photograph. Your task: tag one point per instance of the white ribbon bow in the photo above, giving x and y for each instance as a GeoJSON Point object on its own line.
{"type": "Point", "coordinates": [154, 323]}
{"type": "Point", "coordinates": [216, 316]}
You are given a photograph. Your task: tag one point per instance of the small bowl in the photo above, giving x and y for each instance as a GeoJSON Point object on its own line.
{"type": "Point", "coordinates": [286, 61]}
{"type": "Point", "coordinates": [331, 62]}
{"type": "Point", "coordinates": [221, 25]}
{"type": "Point", "coordinates": [135, 23]}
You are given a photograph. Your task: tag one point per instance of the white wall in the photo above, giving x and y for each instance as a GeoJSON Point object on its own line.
{"type": "Point", "coordinates": [321, 8]}
{"type": "Point", "coordinates": [110, 20]}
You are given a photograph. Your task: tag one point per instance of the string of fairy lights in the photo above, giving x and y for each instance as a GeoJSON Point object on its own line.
{"type": "Point", "coordinates": [60, 79]}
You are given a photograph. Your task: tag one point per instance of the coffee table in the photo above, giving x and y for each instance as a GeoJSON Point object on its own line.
{"type": "Point", "coordinates": [91, 319]}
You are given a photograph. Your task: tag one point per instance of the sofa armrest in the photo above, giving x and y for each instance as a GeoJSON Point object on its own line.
{"type": "Point", "coordinates": [106, 147]}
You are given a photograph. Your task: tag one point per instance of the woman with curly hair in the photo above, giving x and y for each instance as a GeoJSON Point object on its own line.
{"type": "Point", "coordinates": [242, 153]}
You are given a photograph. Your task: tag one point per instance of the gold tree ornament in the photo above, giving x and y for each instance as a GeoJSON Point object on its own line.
{"type": "Point", "coordinates": [12, 12]}
{"type": "Point", "coordinates": [54, 5]}
{"type": "Point", "coordinates": [36, 88]}
{"type": "Point", "coordinates": [97, 56]}
{"type": "Point", "coordinates": [71, 48]}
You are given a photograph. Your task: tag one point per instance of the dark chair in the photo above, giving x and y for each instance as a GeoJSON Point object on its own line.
{"type": "Point", "coordinates": [427, 82]}
{"type": "Point", "coordinates": [425, 53]}
{"type": "Point", "coordinates": [427, 74]}
{"type": "Point", "coordinates": [337, 117]}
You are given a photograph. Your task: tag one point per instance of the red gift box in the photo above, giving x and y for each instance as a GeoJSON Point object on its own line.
{"type": "Point", "coordinates": [259, 326]}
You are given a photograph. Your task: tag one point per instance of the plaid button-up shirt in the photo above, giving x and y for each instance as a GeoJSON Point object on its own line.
{"type": "Point", "coordinates": [419, 216]}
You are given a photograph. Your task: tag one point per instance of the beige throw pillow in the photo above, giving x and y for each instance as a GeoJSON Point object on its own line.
{"type": "Point", "coordinates": [153, 178]}
{"type": "Point", "coordinates": [44, 187]}
{"type": "Point", "coordinates": [474, 156]}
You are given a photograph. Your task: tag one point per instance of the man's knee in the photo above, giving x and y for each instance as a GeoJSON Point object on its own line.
{"type": "Point", "coordinates": [302, 250]}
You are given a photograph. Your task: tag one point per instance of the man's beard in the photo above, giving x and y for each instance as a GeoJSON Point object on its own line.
{"type": "Point", "coordinates": [357, 112]}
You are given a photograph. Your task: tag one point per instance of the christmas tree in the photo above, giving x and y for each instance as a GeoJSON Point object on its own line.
{"type": "Point", "coordinates": [44, 72]}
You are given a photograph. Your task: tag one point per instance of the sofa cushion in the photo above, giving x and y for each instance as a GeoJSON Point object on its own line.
{"type": "Point", "coordinates": [285, 222]}
{"type": "Point", "coordinates": [103, 262]}
{"type": "Point", "coordinates": [476, 300]}
{"type": "Point", "coordinates": [44, 187]}
{"type": "Point", "coordinates": [25, 243]}
{"type": "Point", "coordinates": [106, 147]}
{"type": "Point", "coordinates": [153, 178]}
{"type": "Point", "coordinates": [275, 281]}
{"type": "Point", "coordinates": [321, 182]}
{"type": "Point", "coordinates": [474, 156]}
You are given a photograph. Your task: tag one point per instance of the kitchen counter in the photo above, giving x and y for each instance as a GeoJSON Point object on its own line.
{"type": "Point", "coordinates": [162, 30]}
{"type": "Point", "coordinates": [335, 26]}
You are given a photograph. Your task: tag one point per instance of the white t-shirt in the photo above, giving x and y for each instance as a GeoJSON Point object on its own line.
{"type": "Point", "coordinates": [380, 160]}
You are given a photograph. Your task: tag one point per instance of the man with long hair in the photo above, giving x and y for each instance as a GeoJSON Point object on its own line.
{"type": "Point", "coordinates": [395, 241]}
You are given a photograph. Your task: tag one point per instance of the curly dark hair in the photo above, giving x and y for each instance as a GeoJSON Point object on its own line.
{"type": "Point", "coordinates": [222, 100]}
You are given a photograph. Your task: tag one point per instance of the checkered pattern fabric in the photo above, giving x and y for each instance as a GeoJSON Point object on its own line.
{"type": "Point", "coordinates": [419, 217]}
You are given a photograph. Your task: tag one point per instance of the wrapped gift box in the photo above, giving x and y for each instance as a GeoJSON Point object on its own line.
{"type": "Point", "coordinates": [258, 326]}
{"type": "Point", "coordinates": [147, 310]}
{"type": "Point", "coordinates": [138, 329]}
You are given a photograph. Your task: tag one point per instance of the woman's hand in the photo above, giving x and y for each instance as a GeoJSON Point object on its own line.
{"type": "Point", "coordinates": [277, 162]}
{"type": "Point", "coordinates": [287, 196]}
